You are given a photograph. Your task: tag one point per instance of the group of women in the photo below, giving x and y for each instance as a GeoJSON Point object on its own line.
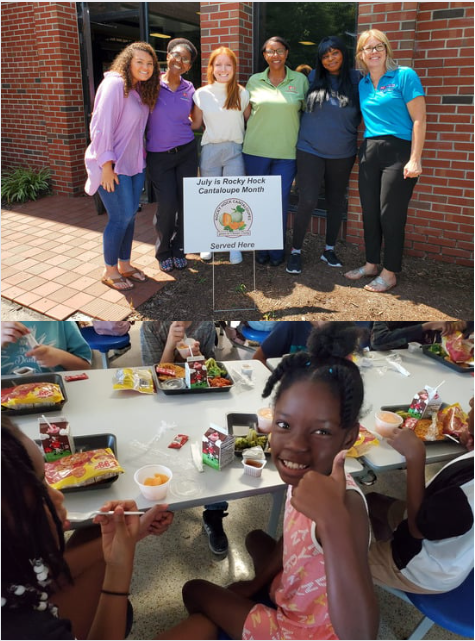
{"type": "Point", "coordinates": [281, 124]}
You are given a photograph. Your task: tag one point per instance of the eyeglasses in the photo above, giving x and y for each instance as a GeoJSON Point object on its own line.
{"type": "Point", "coordinates": [379, 47]}
{"type": "Point", "coordinates": [178, 56]}
{"type": "Point", "coordinates": [273, 52]}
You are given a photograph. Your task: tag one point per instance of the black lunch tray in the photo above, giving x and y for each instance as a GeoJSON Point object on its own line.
{"type": "Point", "coordinates": [14, 381]}
{"type": "Point", "coordinates": [93, 442]}
{"type": "Point", "coordinates": [194, 390]}
{"type": "Point", "coordinates": [405, 408]}
{"type": "Point", "coordinates": [441, 359]}
{"type": "Point", "coordinates": [238, 418]}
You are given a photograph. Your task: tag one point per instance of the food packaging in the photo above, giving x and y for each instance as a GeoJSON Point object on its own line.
{"type": "Point", "coordinates": [253, 466]}
{"type": "Point", "coordinates": [185, 347]}
{"type": "Point", "coordinates": [217, 447]}
{"type": "Point", "coordinates": [153, 492]}
{"type": "Point", "coordinates": [56, 438]}
{"type": "Point", "coordinates": [459, 349]}
{"type": "Point", "coordinates": [82, 469]}
{"type": "Point", "coordinates": [195, 372]}
{"type": "Point", "coordinates": [425, 403]}
{"type": "Point", "coordinates": [30, 395]}
{"type": "Point", "coordinates": [134, 378]}
{"type": "Point", "coordinates": [385, 422]}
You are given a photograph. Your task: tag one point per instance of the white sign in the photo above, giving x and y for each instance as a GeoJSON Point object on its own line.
{"type": "Point", "coordinates": [226, 213]}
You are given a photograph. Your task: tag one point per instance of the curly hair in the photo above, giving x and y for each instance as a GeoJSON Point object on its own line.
{"type": "Point", "coordinates": [26, 528]}
{"type": "Point", "coordinates": [325, 361]}
{"type": "Point", "coordinates": [148, 90]}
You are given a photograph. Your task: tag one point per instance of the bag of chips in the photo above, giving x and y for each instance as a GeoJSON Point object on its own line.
{"type": "Point", "coordinates": [137, 379]}
{"type": "Point", "coordinates": [31, 394]}
{"type": "Point", "coordinates": [82, 469]}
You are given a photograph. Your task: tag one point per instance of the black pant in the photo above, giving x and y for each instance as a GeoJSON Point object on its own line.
{"type": "Point", "coordinates": [385, 196]}
{"type": "Point", "coordinates": [311, 170]}
{"type": "Point", "coordinates": [167, 170]}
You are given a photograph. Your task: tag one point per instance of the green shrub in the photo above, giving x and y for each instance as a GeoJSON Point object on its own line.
{"type": "Point", "coordinates": [19, 185]}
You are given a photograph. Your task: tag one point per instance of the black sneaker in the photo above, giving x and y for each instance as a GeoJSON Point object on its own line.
{"type": "Point", "coordinates": [294, 264]}
{"type": "Point", "coordinates": [213, 525]}
{"type": "Point", "coordinates": [331, 258]}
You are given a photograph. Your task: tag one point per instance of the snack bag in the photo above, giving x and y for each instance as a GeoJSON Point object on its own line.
{"type": "Point", "coordinates": [137, 379]}
{"type": "Point", "coordinates": [31, 394]}
{"type": "Point", "coordinates": [363, 443]}
{"type": "Point", "coordinates": [425, 403]}
{"type": "Point", "coordinates": [82, 469]}
{"type": "Point", "coordinates": [459, 349]}
{"type": "Point", "coordinates": [452, 420]}
{"type": "Point", "coordinates": [56, 438]}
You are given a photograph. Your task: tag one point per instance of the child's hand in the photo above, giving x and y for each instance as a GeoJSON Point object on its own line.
{"type": "Point", "coordinates": [46, 355]}
{"type": "Point", "coordinates": [196, 349]}
{"type": "Point", "coordinates": [407, 443]}
{"type": "Point", "coordinates": [155, 521]}
{"type": "Point", "coordinates": [119, 533]}
{"type": "Point", "coordinates": [318, 496]}
{"type": "Point", "coordinates": [12, 331]}
{"type": "Point", "coordinates": [176, 333]}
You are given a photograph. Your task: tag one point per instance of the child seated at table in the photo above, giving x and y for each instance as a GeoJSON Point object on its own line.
{"type": "Point", "coordinates": [425, 544]}
{"type": "Point", "coordinates": [54, 590]}
{"type": "Point", "coordinates": [61, 346]}
{"type": "Point", "coordinates": [397, 334]}
{"type": "Point", "coordinates": [317, 578]}
{"type": "Point", "coordinates": [159, 340]}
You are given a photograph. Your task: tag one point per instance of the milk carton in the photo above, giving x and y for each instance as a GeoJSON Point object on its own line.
{"type": "Point", "coordinates": [195, 372]}
{"type": "Point", "coordinates": [217, 447]}
{"type": "Point", "coordinates": [56, 438]}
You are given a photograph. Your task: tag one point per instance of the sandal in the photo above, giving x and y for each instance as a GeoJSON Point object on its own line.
{"type": "Point", "coordinates": [356, 274]}
{"type": "Point", "coordinates": [166, 265]}
{"type": "Point", "coordinates": [379, 285]}
{"type": "Point", "coordinates": [112, 283]}
{"type": "Point", "coordinates": [135, 275]}
{"type": "Point", "coordinates": [180, 263]}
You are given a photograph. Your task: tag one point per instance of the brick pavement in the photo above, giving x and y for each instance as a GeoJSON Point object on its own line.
{"type": "Point", "coordinates": [52, 259]}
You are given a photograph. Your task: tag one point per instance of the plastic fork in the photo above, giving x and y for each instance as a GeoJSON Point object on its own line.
{"type": "Point", "coordinates": [76, 517]}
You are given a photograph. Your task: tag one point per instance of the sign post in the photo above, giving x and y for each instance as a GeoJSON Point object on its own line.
{"type": "Point", "coordinates": [232, 213]}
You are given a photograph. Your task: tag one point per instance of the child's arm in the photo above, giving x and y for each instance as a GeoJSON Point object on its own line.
{"type": "Point", "coordinates": [48, 356]}
{"type": "Point", "coordinates": [413, 449]}
{"type": "Point", "coordinates": [343, 530]}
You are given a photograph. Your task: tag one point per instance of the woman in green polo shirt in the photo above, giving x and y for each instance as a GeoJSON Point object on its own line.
{"type": "Point", "coordinates": [277, 96]}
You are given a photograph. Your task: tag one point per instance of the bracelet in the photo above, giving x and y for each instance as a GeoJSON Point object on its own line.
{"type": "Point", "coordinates": [115, 593]}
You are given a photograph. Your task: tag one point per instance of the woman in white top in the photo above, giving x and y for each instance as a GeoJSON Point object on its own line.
{"type": "Point", "coordinates": [223, 107]}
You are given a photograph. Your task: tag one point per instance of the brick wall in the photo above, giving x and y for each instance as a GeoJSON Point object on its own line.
{"type": "Point", "coordinates": [42, 104]}
{"type": "Point", "coordinates": [436, 38]}
{"type": "Point", "coordinates": [227, 24]}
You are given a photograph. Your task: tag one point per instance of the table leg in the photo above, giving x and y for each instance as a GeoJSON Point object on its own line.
{"type": "Point", "coordinates": [277, 503]}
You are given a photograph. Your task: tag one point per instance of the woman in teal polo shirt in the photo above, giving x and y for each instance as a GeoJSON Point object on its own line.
{"type": "Point", "coordinates": [393, 106]}
{"type": "Point", "coordinates": [277, 96]}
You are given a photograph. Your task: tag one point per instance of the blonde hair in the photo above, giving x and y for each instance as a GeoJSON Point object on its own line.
{"type": "Point", "coordinates": [148, 90]}
{"type": "Point", "coordinates": [391, 64]}
{"type": "Point", "coordinates": [233, 99]}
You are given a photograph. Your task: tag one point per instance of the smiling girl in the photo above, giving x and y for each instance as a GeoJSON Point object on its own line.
{"type": "Point", "coordinates": [315, 582]}
{"type": "Point", "coordinates": [223, 106]}
{"type": "Point", "coordinates": [115, 159]}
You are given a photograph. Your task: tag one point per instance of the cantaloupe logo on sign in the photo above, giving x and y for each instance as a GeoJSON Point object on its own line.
{"type": "Point", "coordinates": [233, 218]}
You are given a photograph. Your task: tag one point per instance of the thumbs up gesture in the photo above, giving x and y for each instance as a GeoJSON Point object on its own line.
{"type": "Point", "coordinates": [319, 496]}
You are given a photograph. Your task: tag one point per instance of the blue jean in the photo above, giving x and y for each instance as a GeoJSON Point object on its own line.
{"type": "Point", "coordinates": [121, 205]}
{"type": "Point", "coordinates": [222, 159]}
{"type": "Point", "coordinates": [286, 169]}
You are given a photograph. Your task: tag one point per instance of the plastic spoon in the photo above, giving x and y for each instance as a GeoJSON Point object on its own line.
{"type": "Point", "coordinates": [75, 517]}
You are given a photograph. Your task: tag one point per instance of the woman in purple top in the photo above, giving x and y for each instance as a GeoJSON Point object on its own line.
{"type": "Point", "coordinates": [172, 153]}
{"type": "Point", "coordinates": [115, 159]}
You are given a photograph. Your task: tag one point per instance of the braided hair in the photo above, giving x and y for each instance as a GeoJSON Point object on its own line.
{"type": "Point", "coordinates": [325, 361]}
{"type": "Point", "coordinates": [27, 538]}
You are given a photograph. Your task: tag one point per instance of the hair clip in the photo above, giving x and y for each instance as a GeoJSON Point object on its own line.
{"type": "Point", "coordinates": [331, 370]}
{"type": "Point", "coordinates": [308, 363]}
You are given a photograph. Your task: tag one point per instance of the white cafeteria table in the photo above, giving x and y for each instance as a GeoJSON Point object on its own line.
{"type": "Point", "coordinates": [94, 407]}
{"type": "Point", "coordinates": [386, 386]}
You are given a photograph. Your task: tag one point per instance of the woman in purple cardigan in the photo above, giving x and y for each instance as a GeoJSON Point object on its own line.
{"type": "Point", "coordinates": [115, 159]}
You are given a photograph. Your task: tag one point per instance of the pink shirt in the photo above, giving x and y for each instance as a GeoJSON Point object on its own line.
{"type": "Point", "coordinates": [300, 590]}
{"type": "Point", "coordinates": [117, 132]}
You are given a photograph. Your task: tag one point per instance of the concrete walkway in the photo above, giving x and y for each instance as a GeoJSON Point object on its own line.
{"type": "Point", "coordinates": [52, 260]}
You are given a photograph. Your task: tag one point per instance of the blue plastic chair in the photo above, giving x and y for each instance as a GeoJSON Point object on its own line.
{"type": "Point", "coordinates": [253, 334]}
{"type": "Point", "coordinates": [104, 344]}
{"type": "Point", "coordinates": [451, 610]}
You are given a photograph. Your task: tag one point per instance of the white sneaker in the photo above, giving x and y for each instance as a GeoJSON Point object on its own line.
{"type": "Point", "coordinates": [206, 255]}
{"type": "Point", "coordinates": [235, 257]}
